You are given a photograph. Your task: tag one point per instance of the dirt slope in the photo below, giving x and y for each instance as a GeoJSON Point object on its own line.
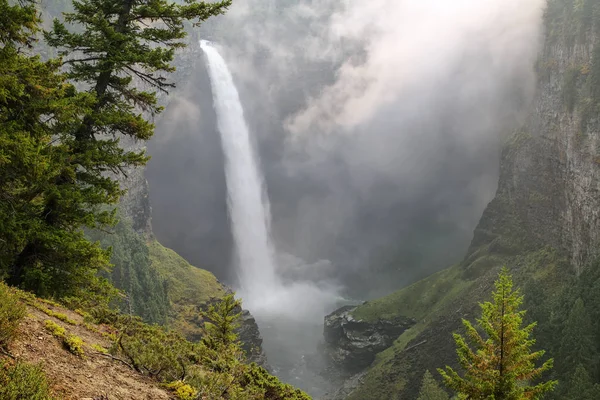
{"type": "Point", "coordinates": [94, 376]}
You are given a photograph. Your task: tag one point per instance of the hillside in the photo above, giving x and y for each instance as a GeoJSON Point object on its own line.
{"type": "Point", "coordinates": [543, 223]}
{"type": "Point", "coordinates": [73, 377]}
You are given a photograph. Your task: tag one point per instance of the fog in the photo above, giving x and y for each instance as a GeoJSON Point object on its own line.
{"type": "Point", "coordinates": [378, 126]}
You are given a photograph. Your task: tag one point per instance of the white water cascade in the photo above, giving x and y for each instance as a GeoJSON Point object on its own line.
{"type": "Point", "coordinates": [248, 206]}
{"type": "Point", "coordinates": [289, 311]}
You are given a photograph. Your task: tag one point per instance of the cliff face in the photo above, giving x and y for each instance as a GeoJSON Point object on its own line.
{"type": "Point", "coordinates": [544, 222]}
{"type": "Point", "coordinates": [548, 188]}
{"type": "Point", "coordinates": [136, 202]}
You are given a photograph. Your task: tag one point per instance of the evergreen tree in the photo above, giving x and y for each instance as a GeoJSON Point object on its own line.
{"type": "Point", "coordinates": [499, 365]}
{"type": "Point", "coordinates": [221, 321]}
{"type": "Point", "coordinates": [430, 390]}
{"type": "Point", "coordinates": [577, 345]}
{"type": "Point", "coordinates": [580, 386]}
{"type": "Point", "coordinates": [36, 107]}
{"type": "Point", "coordinates": [111, 44]}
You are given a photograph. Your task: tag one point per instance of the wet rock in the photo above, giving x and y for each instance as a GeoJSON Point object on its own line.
{"type": "Point", "coordinates": [352, 344]}
{"type": "Point", "coordinates": [251, 339]}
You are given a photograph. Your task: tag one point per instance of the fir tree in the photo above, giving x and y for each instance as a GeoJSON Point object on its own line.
{"type": "Point", "coordinates": [499, 365]}
{"type": "Point", "coordinates": [430, 390]}
{"type": "Point", "coordinates": [221, 321]}
{"type": "Point", "coordinates": [36, 106]}
{"type": "Point", "coordinates": [113, 47]}
{"type": "Point", "coordinates": [581, 387]}
{"type": "Point", "coordinates": [577, 345]}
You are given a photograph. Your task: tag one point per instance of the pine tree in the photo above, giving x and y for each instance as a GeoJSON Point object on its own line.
{"type": "Point", "coordinates": [221, 321]}
{"type": "Point", "coordinates": [580, 386]}
{"type": "Point", "coordinates": [36, 106]}
{"type": "Point", "coordinates": [430, 390]}
{"type": "Point", "coordinates": [111, 44]}
{"type": "Point", "coordinates": [220, 348]}
{"type": "Point", "coordinates": [577, 345]}
{"type": "Point", "coordinates": [499, 365]}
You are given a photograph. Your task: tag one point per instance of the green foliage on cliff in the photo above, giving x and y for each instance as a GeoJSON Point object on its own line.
{"type": "Point", "coordinates": [417, 300]}
{"type": "Point", "coordinates": [189, 289]}
{"type": "Point", "coordinates": [431, 390]}
{"type": "Point", "coordinates": [215, 368]}
{"type": "Point", "coordinates": [134, 273]}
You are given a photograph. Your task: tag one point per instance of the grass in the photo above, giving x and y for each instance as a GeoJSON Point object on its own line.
{"type": "Point", "coordinates": [99, 348]}
{"type": "Point", "coordinates": [187, 284]}
{"type": "Point", "coordinates": [418, 300]}
{"type": "Point", "coordinates": [189, 289]}
{"type": "Point", "coordinates": [38, 303]}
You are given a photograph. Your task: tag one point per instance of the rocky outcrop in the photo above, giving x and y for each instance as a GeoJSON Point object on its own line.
{"type": "Point", "coordinates": [251, 339]}
{"type": "Point", "coordinates": [352, 344]}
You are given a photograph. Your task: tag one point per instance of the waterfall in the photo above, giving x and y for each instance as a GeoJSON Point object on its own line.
{"type": "Point", "coordinates": [289, 313]}
{"type": "Point", "coordinates": [248, 204]}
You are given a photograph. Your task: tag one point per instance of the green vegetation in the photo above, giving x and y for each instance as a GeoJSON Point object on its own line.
{"type": "Point", "coordinates": [189, 289]}
{"type": "Point", "coordinates": [99, 348]}
{"type": "Point", "coordinates": [55, 329]}
{"type": "Point", "coordinates": [74, 344]}
{"type": "Point", "coordinates": [182, 390]}
{"type": "Point", "coordinates": [431, 390]}
{"type": "Point", "coordinates": [60, 152]}
{"type": "Point", "coordinates": [499, 364]}
{"type": "Point", "coordinates": [11, 314]}
{"type": "Point", "coordinates": [444, 297]}
{"type": "Point", "coordinates": [424, 298]}
{"type": "Point", "coordinates": [215, 368]}
{"type": "Point", "coordinates": [134, 274]}
{"type": "Point", "coordinates": [39, 250]}
{"type": "Point", "coordinates": [23, 381]}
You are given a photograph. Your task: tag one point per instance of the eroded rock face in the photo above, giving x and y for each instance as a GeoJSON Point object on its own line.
{"type": "Point", "coordinates": [251, 339]}
{"type": "Point", "coordinates": [352, 344]}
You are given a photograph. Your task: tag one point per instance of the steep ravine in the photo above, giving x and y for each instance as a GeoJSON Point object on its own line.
{"type": "Point", "coordinates": [544, 222]}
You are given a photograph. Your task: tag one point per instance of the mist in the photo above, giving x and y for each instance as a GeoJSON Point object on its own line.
{"type": "Point", "coordinates": [378, 126]}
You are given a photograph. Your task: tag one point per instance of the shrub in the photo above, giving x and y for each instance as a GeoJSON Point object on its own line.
{"type": "Point", "coordinates": [259, 377]}
{"type": "Point", "coordinates": [55, 329]}
{"type": "Point", "coordinates": [23, 381]}
{"type": "Point", "coordinates": [99, 348]}
{"type": "Point", "coordinates": [74, 344]}
{"type": "Point", "coordinates": [182, 390]}
{"type": "Point", "coordinates": [60, 316]}
{"type": "Point", "coordinates": [152, 350]}
{"type": "Point", "coordinates": [11, 314]}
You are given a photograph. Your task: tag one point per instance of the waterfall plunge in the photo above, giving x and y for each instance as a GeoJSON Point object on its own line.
{"type": "Point", "coordinates": [248, 206]}
{"type": "Point", "coordinates": [290, 314]}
